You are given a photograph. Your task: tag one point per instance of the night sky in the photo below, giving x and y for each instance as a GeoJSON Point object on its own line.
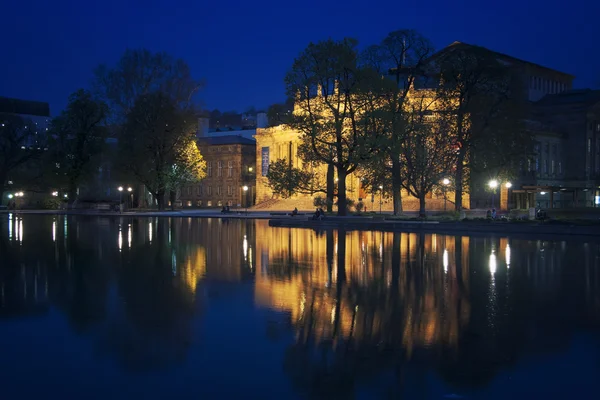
{"type": "Point", "coordinates": [242, 49]}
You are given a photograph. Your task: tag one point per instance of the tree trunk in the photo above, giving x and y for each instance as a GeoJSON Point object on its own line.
{"type": "Point", "coordinates": [329, 249]}
{"type": "Point", "coordinates": [397, 187]}
{"type": "Point", "coordinates": [172, 198]}
{"type": "Point", "coordinates": [458, 182]}
{"type": "Point", "coordinates": [396, 261]}
{"type": "Point", "coordinates": [330, 187]}
{"type": "Point", "coordinates": [341, 257]}
{"type": "Point", "coordinates": [341, 279]}
{"type": "Point", "coordinates": [71, 193]}
{"type": "Point", "coordinates": [160, 199]}
{"type": "Point", "coordinates": [342, 201]}
{"type": "Point", "coordinates": [422, 213]}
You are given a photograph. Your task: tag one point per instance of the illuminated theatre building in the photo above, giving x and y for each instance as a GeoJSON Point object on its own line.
{"type": "Point", "coordinates": [281, 142]}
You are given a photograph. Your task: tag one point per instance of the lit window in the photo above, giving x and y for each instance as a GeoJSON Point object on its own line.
{"type": "Point", "coordinates": [189, 203]}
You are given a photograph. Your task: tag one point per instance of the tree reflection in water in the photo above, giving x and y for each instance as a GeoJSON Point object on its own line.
{"type": "Point", "coordinates": [436, 303]}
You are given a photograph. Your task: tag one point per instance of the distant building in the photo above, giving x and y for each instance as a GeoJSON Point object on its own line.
{"type": "Point", "coordinates": [537, 79]}
{"type": "Point", "coordinates": [230, 162]}
{"type": "Point", "coordinates": [37, 112]}
{"type": "Point", "coordinates": [206, 127]}
{"type": "Point", "coordinates": [565, 171]}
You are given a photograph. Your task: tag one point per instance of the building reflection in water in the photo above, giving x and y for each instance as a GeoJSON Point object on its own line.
{"type": "Point", "coordinates": [356, 302]}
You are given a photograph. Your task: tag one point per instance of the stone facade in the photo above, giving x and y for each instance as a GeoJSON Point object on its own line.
{"type": "Point", "coordinates": [279, 142]}
{"type": "Point", "coordinates": [230, 163]}
{"type": "Point", "coordinates": [565, 169]}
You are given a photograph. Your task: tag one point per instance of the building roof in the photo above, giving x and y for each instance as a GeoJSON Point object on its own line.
{"type": "Point", "coordinates": [457, 44]}
{"type": "Point", "coordinates": [584, 97]}
{"type": "Point", "coordinates": [221, 140]}
{"type": "Point", "coordinates": [24, 107]}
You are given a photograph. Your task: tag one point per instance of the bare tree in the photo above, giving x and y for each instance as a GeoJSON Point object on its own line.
{"type": "Point", "coordinates": [77, 137]}
{"type": "Point", "coordinates": [402, 57]}
{"type": "Point", "coordinates": [155, 145]}
{"type": "Point", "coordinates": [428, 147]}
{"type": "Point", "coordinates": [19, 145]}
{"type": "Point", "coordinates": [328, 85]}
{"type": "Point", "coordinates": [488, 107]}
{"type": "Point", "coordinates": [141, 72]}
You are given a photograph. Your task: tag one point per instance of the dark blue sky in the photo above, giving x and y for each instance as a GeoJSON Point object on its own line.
{"type": "Point", "coordinates": [242, 49]}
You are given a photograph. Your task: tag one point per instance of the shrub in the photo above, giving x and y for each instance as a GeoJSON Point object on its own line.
{"type": "Point", "coordinates": [359, 207]}
{"type": "Point", "coordinates": [320, 201]}
{"type": "Point", "coordinates": [51, 204]}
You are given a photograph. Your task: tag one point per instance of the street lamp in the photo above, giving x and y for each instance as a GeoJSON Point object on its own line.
{"type": "Point", "coordinates": [245, 189]}
{"type": "Point", "coordinates": [446, 182]}
{"type": "Point", "coordinates": [493, 185]}
{"type": "Point", "coordinates": [120, 189]}
{"type": "Point", "coordinates": [508, 185]}
{"type": "Point", "coordinates": [10, 196]}
{"type": "Point", "coordinates": [55, 194]}
{"type": "Point", "coordinates": [130, 190]}
{"type": "Point", "coordinates": [380, 194]}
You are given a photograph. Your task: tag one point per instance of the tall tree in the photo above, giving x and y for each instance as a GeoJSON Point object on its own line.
{"type": "Point", "coordinates": [19, 145]}
{"type": "Point", "coordinates": [428, 149]}
{"type": "Point", "coordinates": [488, 105]}
{"type": "Point", "coordinates": [141, 72]}
{"type": "Point", "coordinates": [157, 145]}
{"type": "Point", "coordinates": [327, 83]}
{"type": "Point", "coordinates": [77, 137]}
{"type": "Point", "coordinates": [402, 58]}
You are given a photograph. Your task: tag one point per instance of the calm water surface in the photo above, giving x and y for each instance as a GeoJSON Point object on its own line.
{"type": "Point", "coordinates": [115, 308]}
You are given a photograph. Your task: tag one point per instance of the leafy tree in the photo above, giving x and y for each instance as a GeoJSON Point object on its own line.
{"type": "Point", "coordinates": [77, 138]}
{"type": "Point", "coordinates": [327, 83]}
{"type": "Point", "coordinates": [189, 166]}
{"type": "Point", "coordinates": [488, 106]}
{"type": "Point", "coordinates": [19, 146]}
{"type": "Point", "coordinates": [402, 57]}
{"type": "Point", "coordinates": [157, 145]}
{"type": "Point", "coordinates": [286, 180]}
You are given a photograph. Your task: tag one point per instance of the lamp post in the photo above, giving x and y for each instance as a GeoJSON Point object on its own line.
{"type": "Point", "coordinates": [446, 182]}
{"type": "Point", "coordinates": [245, 189]}
{"type": "Point", "coordinates": [493, 185]}
{"type": "Point", "coordinates": [380, 195]}
{"type": "Point", "coordinates": [120, 189]}
{"type": "Point", "coordinates": [507, 185]}
{"type": "Point", "coordinates": [130, 190]}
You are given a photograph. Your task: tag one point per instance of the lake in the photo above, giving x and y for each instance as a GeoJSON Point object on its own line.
{"type": "Point", "coordinates": [111, 308]}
